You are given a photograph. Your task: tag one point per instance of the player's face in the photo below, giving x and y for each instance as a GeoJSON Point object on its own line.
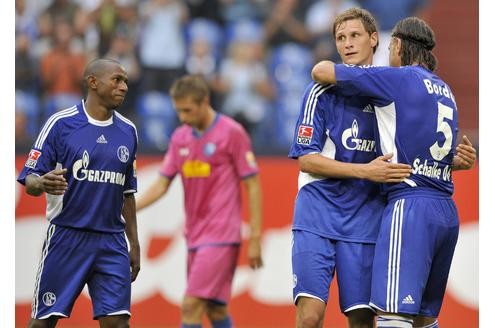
{"type": "Point", "coordinates": [113, 86]}
{"type": "Point", "coordinates": [190, 112]}
{"type": "Point", "coordinates": [354, 44]}
{"type": "Point", "coordinates": [394, 51]}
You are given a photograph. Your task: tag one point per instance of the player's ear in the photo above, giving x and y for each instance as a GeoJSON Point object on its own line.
{"type": "Point", "coordinates": [91, 82]}
{"type": "Point", "coordinates": [374, 39]}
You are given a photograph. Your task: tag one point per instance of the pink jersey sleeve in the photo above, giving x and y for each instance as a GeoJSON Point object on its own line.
{"type": "Point", "coordinates": [169, 167]}
{"type": "Point", "coordinates": [244, 160]}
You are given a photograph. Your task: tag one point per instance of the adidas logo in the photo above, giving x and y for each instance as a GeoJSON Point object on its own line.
{"type": "Point", "coordinates": [101, 139]}
{"type": "Point", "coordinates": [368, 109]}
{"type": "Point", "coordinates": [408, 300]}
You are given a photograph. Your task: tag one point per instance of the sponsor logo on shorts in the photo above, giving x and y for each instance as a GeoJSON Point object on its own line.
{"type": "Point", "coordinates": [408, 300]}
{"type": "Point", "coordinates": [294, 280]}
{"type": "Point", "coordinates": [49, 298]}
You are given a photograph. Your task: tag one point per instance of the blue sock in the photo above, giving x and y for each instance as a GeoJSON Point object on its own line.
{"type": "Point", "coordinates": [224, 323]}
{"type": "Point", "coordinates": [194, 325]}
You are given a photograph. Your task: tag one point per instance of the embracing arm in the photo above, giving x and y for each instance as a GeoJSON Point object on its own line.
{"type": "Point", "coordinates": [129, 214]}
{"type": "Point", "coordinates": [52, 183]}
{"type": "Point", "coordinates": [154, 192]}
{"type": "Point", "coordinates": [324, 72]}
{"type": "Point", "coordinates": [465, 157]}
{"type": "Point", "coordinates": [253, 187]}
{"type": "Point", "coordinates": [378, 170]}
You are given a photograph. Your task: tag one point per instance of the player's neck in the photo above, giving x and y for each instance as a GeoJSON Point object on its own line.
{"type": "Point", "coordinates": [209, 118]}
{"type": "Point", "coordinates": [97, 111]}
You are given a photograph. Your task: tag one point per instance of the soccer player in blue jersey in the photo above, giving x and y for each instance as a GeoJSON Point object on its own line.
{"type": "Point", "coordinates": [338, 207]}
{"type": "Point", "coordinates": [84, 161]}
{"type": "Point", "coordinates": [417, 122]}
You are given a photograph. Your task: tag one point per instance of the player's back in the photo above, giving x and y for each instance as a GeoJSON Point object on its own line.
{"type": "Point", "coordinates": [417, 120]}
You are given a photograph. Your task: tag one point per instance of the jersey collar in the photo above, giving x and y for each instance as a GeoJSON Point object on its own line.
{"type": "Point", "coordinates": [94, 121]}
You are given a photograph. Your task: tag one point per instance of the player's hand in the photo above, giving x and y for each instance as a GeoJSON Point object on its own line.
{"type": "Point", "coordinates": [382, 170]}
{"type": "Point", "coordinates": [254, 253]}
{"type": "Point", "coordinates": [54, 182]}
{"type": "Point", "coordinates": [135, 261]}
{"type": "Point", "coordinates": [465, 157]}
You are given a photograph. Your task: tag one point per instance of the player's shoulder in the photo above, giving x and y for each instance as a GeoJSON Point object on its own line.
{"type": "Point", "coordinates": [125, 124]}
{"type": "Point", "coordinates": [315, 90]}
{"type": "Point", "coordinates": [229, 126]}
{"type": "Point", "coordinates": [62, 117]}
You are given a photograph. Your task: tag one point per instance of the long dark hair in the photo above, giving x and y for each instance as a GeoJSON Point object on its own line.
{"type": "Point", "coordinates": [418, 41]}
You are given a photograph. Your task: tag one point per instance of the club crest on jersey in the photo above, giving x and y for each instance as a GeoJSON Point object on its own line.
{"type": "Point", "coordinates": [33, 158]}
{"type": "Point", "coordinates": [209, 149]}
{"type": "Point", "coordinates": [304, 134]}
{"type": "Point", "coordinates": [123, 154]}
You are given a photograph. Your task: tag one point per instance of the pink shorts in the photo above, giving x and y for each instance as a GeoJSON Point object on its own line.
{"type": "Point", "coordinates": [210, 270]}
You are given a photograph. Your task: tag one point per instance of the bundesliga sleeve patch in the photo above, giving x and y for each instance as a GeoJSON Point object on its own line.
{"type": "Point", "coordinates": [304, 134]}
{"type": "Point", "coordinates": [32, 158]}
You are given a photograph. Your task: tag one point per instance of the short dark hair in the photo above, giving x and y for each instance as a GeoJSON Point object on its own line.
{"type": "Point", "coordinates": [193, 86]}
{"type": "Point", "coordinates": [418, 41]}
{"type": "Point", "coordinates": [363, 15]}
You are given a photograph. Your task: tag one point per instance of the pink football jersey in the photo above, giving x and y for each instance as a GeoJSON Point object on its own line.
{"type": "Point", "coordinates": [211, 166]}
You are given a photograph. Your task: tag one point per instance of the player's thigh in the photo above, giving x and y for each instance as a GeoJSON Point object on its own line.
{"type": "Point", "coordinates": [412, 229]}
{"type": "Point", "coordinates": [110, 281]}
{"type": "Point", "coordinates": [211, 272]}
{"type": "Point", "coordinates": [354, 263]}
{"type": "Point", "coordinates": [445, 242]}
{"type": "Point", "coordinates": [313, 265]}
{"type": "Point", "coordinates": [67, 257]}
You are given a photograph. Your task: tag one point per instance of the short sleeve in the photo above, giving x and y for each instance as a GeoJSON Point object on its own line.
{"type": "Point", "coordinates": [242, 153]}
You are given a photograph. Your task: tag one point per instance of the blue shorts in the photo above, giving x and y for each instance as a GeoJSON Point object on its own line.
{"type": "Point", "coordinates": [315, 260]}
{"type": "Point", "coordinates": [72, 258]}
{"type": "Point", "coordinates": [413, 255]}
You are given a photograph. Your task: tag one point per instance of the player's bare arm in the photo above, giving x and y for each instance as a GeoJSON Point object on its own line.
{"type": "Point", "coordinates": [324, 72]}
{"type": "Point", "coordinates": [253, 188]}
{"type": "Point", "coordinates": [465, 156]}
{"type": "Point", "coordinates": [378, 170]}
{"type": "Point", "coordinates": [129, 214]}
{"type": "Point", "coordinates": [52, 183]}
{"type": "Point", "coordinates": [153, 193]}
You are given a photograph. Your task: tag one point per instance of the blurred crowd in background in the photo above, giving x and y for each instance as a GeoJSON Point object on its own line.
{"type": "Point", "coordinates": [255, 54]}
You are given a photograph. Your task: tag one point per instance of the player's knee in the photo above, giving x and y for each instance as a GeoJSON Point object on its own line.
{"type": "Point", "coordinates": [216, 312]}
{"type": "Point", "coordinates": [309, 319]}
{"type": "Point", "coordinates": [361, 318]}
{"type": "Point", "coordinates": [193, 308]}
{"type": "Point", "coordinates": [393, 320]}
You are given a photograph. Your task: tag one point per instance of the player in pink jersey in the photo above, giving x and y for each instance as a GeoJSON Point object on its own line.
{"type": "Point", "coordinates": [212, 153]}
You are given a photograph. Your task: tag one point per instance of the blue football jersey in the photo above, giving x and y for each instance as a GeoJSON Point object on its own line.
{"type": "Point", "coordinates": [100, 160]}
{"type": "Point", "coordinates": [417, 119]}
{"type": "Point", "coordinates": [340, 128]}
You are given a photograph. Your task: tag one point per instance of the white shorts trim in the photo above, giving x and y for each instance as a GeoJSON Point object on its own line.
{"type": "Point", "coordinates": [119, 313]}
{"type": "Point", "coordinates": [359, 306]}
{"type": "Point", "coordinates": [376, 307]}
{"type": "Point", "coordinates": [60, 314]}
{"type": "Point", "coordinates": [307, 295]}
